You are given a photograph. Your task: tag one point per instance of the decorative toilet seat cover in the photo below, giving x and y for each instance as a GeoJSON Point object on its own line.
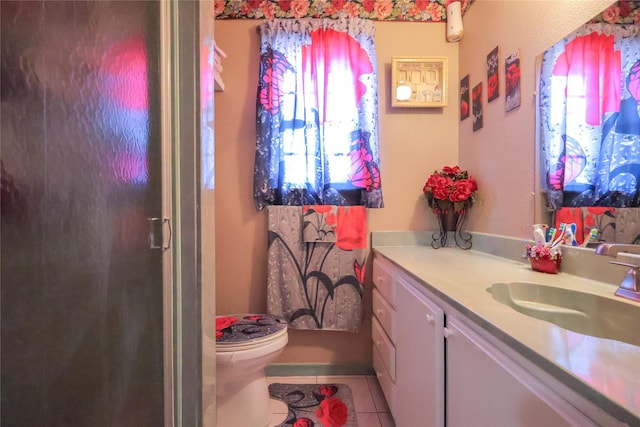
{"type": "Point", "coordinates": [242, 328]}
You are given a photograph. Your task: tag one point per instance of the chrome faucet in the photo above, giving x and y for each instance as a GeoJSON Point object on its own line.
{"type": "Point", "coordinates": [612, 249]}
{"type": "Point", "coordinates": [630, 286]}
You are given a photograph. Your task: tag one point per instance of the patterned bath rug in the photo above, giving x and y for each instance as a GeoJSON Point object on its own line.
{"type": "Point", "coordinates": [316, 405]}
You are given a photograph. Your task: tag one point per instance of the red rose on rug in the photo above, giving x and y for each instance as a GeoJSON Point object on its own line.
{"type": "Point", "coordinates": [328, 390]}
{"type": "Point", "coordinates": [303, 422]}
{"type": "Point", "coordinates": [332, 412]}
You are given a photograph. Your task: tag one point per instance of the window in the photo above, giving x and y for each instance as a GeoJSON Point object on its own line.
{"type": "Point", "coordinates": [316, 111]}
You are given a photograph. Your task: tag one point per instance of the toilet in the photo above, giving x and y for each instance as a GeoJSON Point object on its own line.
{"type": "Point", "coordinates": [245, 345]}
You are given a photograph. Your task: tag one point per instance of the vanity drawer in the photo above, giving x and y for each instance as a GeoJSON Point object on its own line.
{"type": "Point", "coordinates": [383, 280]}
{"type": "Point", "coordinates": [383, 345]}
{"type": "Point", "coordinates": [384, 313]}
{"type": "Point", "coordinates": [386, 384]}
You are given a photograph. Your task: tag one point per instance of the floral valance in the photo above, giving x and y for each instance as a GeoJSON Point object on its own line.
{"type": "Point", "coordinates": [623, 12]}
{"type": "Point", "coordinates": [379, 10]}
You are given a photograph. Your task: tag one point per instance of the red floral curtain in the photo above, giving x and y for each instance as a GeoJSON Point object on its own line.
{"type": "Point", "coordinates": [590, 121]}
{"type": "Point", "coordinates": [591, 69]}
{"type": "Point", "coordinates": [317, 115]}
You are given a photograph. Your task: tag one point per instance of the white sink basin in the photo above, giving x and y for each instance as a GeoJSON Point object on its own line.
{"type": "Point", "coordinates": [577, 311]}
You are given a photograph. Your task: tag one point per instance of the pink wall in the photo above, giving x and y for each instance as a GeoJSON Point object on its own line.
{"type": "Point", "coordinates": [413, 142]}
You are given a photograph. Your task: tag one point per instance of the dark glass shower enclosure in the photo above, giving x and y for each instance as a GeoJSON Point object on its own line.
{"type": "Point", "coordinates": [81, 292]}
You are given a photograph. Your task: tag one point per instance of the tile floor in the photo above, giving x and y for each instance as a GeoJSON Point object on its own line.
{"type": "Point", "coordinates": [371, 407]}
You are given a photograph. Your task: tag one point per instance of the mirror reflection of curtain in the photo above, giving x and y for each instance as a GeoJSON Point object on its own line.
{"type": "Point", "coordinates": [590, 122]}
{"type": "Point", "coordinates": [317, 114]}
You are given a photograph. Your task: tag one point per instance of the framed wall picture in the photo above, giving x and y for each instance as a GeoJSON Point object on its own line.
{"type": "Point", "coordinates": [512, 81]}
{"type": "Point", "coordinates": [476, 107]}
{"type": "Point", "coordinates": [419, 81]}
{"type": "Point", "coordinates": [464, 98]}
{"type": "Point", "coordinates": [493, 75]}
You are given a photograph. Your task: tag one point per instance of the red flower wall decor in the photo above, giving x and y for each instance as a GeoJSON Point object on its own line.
{"type": "Point", "coordinates": [493, 79]}
{"type": "Point", "coordinates": [476, 106]}
{"type": "Point", "coordinates": [465, 107]}
{"type": "Point", "coordinates": [512, 81]}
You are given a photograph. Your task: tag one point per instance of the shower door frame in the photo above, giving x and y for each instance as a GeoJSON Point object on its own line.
{"type": "Point", "coordinates": [167, 203]}
{"type": "Point", "coordinates": [179, 74]}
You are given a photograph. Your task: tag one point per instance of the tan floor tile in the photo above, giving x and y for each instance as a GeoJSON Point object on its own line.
{"type": "Point", "coordinates": [377, 395]}
{"type": "Point", "coordinates": [278, 406]}
{"type": "Point", "coordinates": [368, 419]}
{"type": "Point", "coordinates": [386, 420]}
{"type": "Point", "coordinates": [277, 419]}
{"type": "Point", "coordinates": [292, 380]}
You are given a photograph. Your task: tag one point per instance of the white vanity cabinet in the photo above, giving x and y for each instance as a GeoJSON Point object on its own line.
{"type": "Point", "coordinates": [487, 388]}
{"type": "Point", "coordinates": [408, 349]}
{"type": "Point", "coordinates": [419, 358]}
{"type": "Point", "coordinates": [481, 382]}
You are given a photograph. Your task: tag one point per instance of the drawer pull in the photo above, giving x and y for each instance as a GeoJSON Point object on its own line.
{"type": "Point", "coordinates": [448, 333]}
{"type": "Point", "coordinates": [430, 318]}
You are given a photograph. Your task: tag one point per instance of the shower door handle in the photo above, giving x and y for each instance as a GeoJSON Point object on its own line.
{"type": "Point", "coordinates": [155, 225]}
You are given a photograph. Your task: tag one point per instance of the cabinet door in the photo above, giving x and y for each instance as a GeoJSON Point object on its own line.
{"type": "Point", "coordinates": [419, 340]}
{"type": "Point", "coordinates": [486, 389]}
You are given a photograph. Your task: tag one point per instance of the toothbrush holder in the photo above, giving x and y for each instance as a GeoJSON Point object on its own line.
{"type": "Point", "coordinates": [544, 259]}
{"type": "Point", "coordinates": [546, 264]}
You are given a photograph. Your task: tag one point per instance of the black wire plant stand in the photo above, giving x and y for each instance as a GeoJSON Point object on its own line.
{"type": "Point", "coordinates": [451, 221]}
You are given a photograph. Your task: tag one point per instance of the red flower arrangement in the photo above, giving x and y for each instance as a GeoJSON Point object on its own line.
{"type": "Point", "coordinates": [450, 188]}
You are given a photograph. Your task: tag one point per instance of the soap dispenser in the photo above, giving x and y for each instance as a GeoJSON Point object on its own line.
{"type": "Point", "coordinates": [540, 233]}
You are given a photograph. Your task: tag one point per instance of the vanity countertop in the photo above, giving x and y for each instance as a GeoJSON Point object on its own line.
{"type": "Point", "coordinates": [605, 372]}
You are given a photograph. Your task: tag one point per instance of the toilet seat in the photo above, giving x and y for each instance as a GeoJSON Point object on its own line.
{"type": "Point", "coordinates": [248, 331]}
{"type": "Point", "coordinates": [248, 345]}
{"type": "Point", "coordinates": [245, 345]}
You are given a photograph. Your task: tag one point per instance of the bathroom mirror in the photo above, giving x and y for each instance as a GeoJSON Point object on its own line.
{"type": "Point", "coordinates": [588, 125]}
{"type": "Point", "coordinates": [542, 215]}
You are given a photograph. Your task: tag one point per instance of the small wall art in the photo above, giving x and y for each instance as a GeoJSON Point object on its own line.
{"type": "Point", "coordinates": [476, 103]}
{"type": "Point", "coordinates": [419, 81]}
{"type": "Point", "coordinates": [493, 79]}
{"type": "Point", "coordinates": [512, 81]}
{"type": "Point", "coordinates": [464, 98]}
